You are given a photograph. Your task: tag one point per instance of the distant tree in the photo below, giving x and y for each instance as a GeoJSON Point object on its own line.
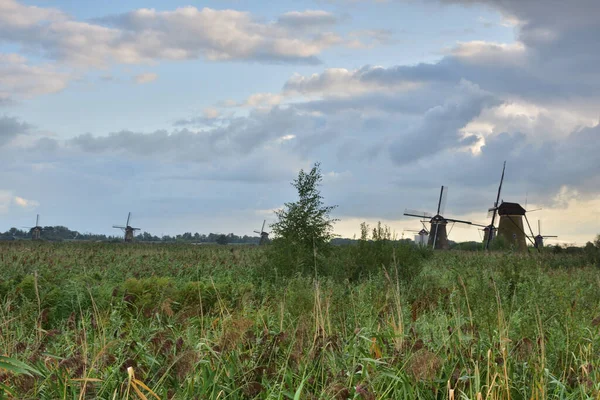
{"type": "Point", "coordinates": [222, 240]}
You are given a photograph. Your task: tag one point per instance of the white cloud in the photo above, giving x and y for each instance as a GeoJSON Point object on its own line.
{"type": "Point", "coordinates": [20, 80]}
{"type": "Point", "coordinates": [211, 113]}
{"type": "Point", "coordinates": [8, 199]}
{"type": "Point", "coordinates": [147, 35]}
{"type": "Point", "coordinates": [146, 77]}
{"type": "Point", "coordinates": [24, 203]}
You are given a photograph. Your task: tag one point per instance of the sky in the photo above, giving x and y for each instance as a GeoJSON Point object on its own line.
{"type": "Point", "coordinates": [197, 115]}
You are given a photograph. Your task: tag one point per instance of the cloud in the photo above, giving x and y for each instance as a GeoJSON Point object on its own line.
{"type": "Point", "coordinates": [440, 127]}
{"type": "Point", "coordinates": [10, 128]}
{"type": "Point", "coordinates": [24, 203]}
{"type": "Point", "coordinates": [8, 199]}
{"type": "Point", "coordinates": [146, 77]}
{"type": "Point", "coordinates": [19, 80]}
{"type": "Point", "coordinates": [146, 35]}
{"type": "Point", "coordinates": [308, 19]}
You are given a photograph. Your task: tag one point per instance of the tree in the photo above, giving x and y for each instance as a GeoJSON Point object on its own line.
{"type": "Point", "coordinates": [303, 230]}
{"type": "Point", "coordinates": [222, 240]}
{"type": "Point", "coordinates": [306, 222]}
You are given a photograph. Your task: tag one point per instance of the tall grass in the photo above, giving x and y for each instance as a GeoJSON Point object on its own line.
{"type": "Point", "coordinates": [178, 322]}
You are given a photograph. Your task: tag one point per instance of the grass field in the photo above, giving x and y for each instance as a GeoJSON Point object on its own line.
{"type": "Point", "coordinates": [142, 321]}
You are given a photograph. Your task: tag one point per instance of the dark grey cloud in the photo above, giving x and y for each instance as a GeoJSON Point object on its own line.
{"type": "Point", "coordinates": [238, 136]}
{"type": "Point", "coordinates": [439, 129]}
{"type": "Point", "coordinates": [309, 19]}
{"type": "Point", "coordinates": [11, 127]}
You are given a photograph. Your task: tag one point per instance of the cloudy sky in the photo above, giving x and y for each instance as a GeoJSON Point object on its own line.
{"type": "Point", "coordinates": [196, 115]}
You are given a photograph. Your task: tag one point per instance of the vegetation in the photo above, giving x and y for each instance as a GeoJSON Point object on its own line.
{"type": "Point", "coordinates": [303, 230]}
{"type": "Point", "coordinates": [381, 320]}
{"type": "Point", "coordinates": [61, 233]}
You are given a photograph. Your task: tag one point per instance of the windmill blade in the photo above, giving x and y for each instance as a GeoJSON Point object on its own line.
{"type": "Point", "coordinates": [549, 236]}
{"type": "Point", "coordinates": [418, 214]}
{"type": "Point", "coordinates": [257, 232]}
{"type": "Point", "coordinates": [119, 227]}
{"type": "Point", "coordinates": [539, 227]}
{"type": "Point", "coordinates": [537, 209]}
{"type": "Point", "coordinates": [263, 226]}
{"type": "Point", "coordinates": [128, 217]}
{"type": "Point", "coordinates": [479, 225]}
{"type": "Point", "coordinates": [494, 210]}
{"type": "Point", "coordinates": [137, 229]}
{"type": "Point", "coordinates": [459, 221]}
{"type": "Point", "coordinates": [37, 220]}
{"type": "Point", "coordinates": [532, 235]}
{"type": "Point", "coordinates": [442, 201]}
{"type": "Point", "coordinates": [500, 187]}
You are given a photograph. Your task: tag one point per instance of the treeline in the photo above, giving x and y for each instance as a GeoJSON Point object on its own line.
{"type": "Point", "coordinates": [62, 233]}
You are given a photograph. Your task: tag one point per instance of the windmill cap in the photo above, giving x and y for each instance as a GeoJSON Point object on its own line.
{"type": "Point", "coordinates": [511, 209]}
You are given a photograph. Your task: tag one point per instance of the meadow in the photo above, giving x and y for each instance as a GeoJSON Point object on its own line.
{"type": "Point", "coordinates": [371, 321]}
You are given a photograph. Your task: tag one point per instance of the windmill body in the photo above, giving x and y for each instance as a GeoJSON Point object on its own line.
{"type": "Point", "coordinates": [264, 236]}
{"type": "Point", "coordinates": [539, 238]}
{"type": "Point", "coordinates": [421, 238]}
{"type": "Point", "coordinates": [127, 229]}
{"type": "Point", "coordinates": [487, 231]}
{"type": "Point", "coordinates": [438, 235]}
{"type": "Point", "coordinates": [36, 231]}
{"type": "Point", "coordinates": [511, 227]}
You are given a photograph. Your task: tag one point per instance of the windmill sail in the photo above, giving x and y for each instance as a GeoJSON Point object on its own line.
{"type": "Point", "coordinates": [494, 211]}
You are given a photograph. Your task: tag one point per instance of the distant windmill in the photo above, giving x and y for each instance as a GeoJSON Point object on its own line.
{"type": "Point", "coordinates": [264, 236]}
{"type": "Point", "coordinates": [490, 230]}
{"type": "Point", "coordinates": [421, 238]}
{"type": "Point", "coordinates": [36, 231]}
{"type": "Point", "coordinates": [539, 239]}
{"type": "Point", "coordinates": [129, 230]}
{"type": "Point", "coordinates": [438, 237]}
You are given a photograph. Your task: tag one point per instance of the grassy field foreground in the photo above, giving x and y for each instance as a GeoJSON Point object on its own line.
{"type": "Point", "coordinates": [183, 322]}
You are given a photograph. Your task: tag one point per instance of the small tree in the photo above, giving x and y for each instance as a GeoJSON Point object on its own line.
{"type": "Point", "coordinates": [306, 222]}
{"type": "Point", "coordinates": [304, 228]}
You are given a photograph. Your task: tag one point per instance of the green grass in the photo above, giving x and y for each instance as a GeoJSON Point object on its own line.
{"type": "Point", "coordinates": [136, 321]}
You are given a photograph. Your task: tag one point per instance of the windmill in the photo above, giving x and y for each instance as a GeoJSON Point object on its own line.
{"type": "Point", "coordinates": [539, 239]}
{"type": "Point", "coordinates": [421, 236]}
{"type": "Point", "coordinates": [490, 230]}
{"type": "Point", "coordinates": [510, 227]}
{"type": "Point", "coordinates": [129, 230]}
{"type": "Point", "coordinates": [264, 236]}
{"type": "Point", "coordinates": [438, 237]}
{"type": "Point", "coordinates": [36, 231]}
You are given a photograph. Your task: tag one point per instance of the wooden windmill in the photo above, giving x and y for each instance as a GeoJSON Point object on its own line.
{"type": "Point", "coordinates": [36, 231]}
{"type": "Point", "coordinates": [510, 227]}
{"type": "Point", "coordinates": [539, 239]}
{"type": "Point", "coordinates": [264, 236]}
{"type": "Point", "coordinates": [438, 236]}
{"type": "Point", "coordinates": [128, 229]}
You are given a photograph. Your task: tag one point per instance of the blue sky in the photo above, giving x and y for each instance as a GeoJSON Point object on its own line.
{"type": "Point", "coordinates": [196, 115]}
